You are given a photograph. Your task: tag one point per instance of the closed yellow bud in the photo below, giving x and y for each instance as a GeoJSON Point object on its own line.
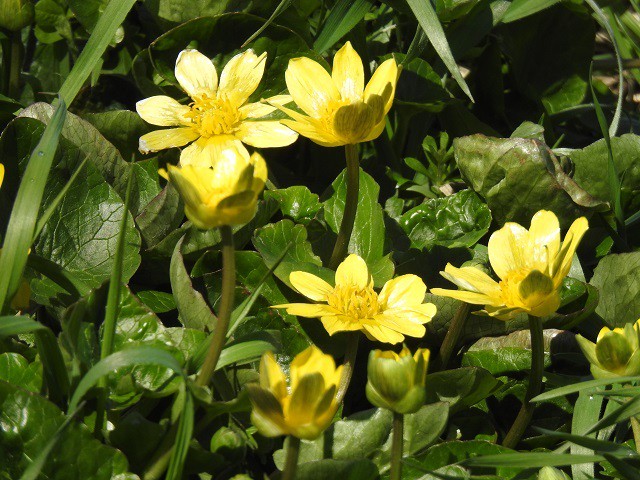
{"type": "Point", "coordinates": [16, 14]}
{"type": "Point", "coordinates": [615, 353]}
{"type": "Point", "coordinates": [396, 381]}
{"type": "Point", "coordinates": [303, 407]}
{"type": "Point", "coordinates": [226, 194]}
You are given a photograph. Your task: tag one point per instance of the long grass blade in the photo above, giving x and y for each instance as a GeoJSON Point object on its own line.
{"type": "Point", "coordinates": [428, 20]}
{"type": "Point", "coordinates": [343, 17]}
{"type": "Point", "coordinates": [24, 215]}
{"type": "Point", "coordinates": [620, 414]}
{"type": "Point", "coordinates": [578, 387]}
{"type": "Point", "coordinates": [112, 17]}
{"type": "Point", "coordinates": [183, 439]}
{"type": "Point", "coordinates": [282, 6]}
{"type": "Point", "coordinates": [523, 8]}
{"type": "Point", "coordinates": [12, 325]}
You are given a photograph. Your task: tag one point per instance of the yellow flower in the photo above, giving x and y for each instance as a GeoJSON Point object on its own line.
{"type": "Point", "coordinates": [353, 304]}
{"type": "Point", "coordinates": [531, 265]}
{"type": "Point", "coordinates": [303, 408]}
{"type": "Point", "coordinates": [219, 116]}
{"type": "Point", "coordinates": [226, 194]}
{"type": "Point", "coordinates": [340, 110]}
{"type": "Point", "coordinates": [396, 381]}
{"type": "Point", "coordinates": [1, 174]}
{"type": "Point", "coordinates": [615, 353]}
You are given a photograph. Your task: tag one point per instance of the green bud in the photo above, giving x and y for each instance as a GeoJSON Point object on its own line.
{"type": "Point", "coordinates": [16, 14]}
{"type": "Point", "coordinates": [550, 473]}
{"type": "Point", "coordinates": [228, 443]}
{"type": "Point", "coordinates": [396, 381]}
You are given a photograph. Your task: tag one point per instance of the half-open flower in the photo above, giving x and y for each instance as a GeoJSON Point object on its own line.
{"type": "Point", "coordinates": [353, 304]}
{"type": "Point", "coordinates": [303, 407]}
{"type": "Point", "coordinates": [226, 194]}
{"type": "Point", "coordinates": [219, 115]}
{"type": "Point", "coordinates": [531, 265]}
{"type": "Point", "coordinates": [397, 381]}
{"type": "Point", "coordinates": [339, 109]}
{"type": "Point", "coordinates": [615, 353]}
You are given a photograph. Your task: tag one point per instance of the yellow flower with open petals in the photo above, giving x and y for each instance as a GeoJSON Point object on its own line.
{"type": "Point", "coordinates": [226, 194]}
{"type": "Point", "coordinates": [531, 265]}
{"type": "Point", "coordinates": [340, 109]}
{"type": "Point", "coordinates": [353, 304]}
{"type": "Point", "coordinates": [306, 406]}
{"type": "Point", "coordinates": [219, 116]}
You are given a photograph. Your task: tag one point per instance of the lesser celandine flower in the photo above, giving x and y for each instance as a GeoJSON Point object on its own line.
{"type": "Point", "coordinates": [303, 407]}
{"type": "Point", "coordinates": [219, 116]}
{"type": "Point", "coordinates": [1, 174]}
{"type": "Point", "coordinates": [615, 353]}
{"type": "Point", "coordinates": [352, 304]}
{"type": "Point", "coordinates": [339, 109]}
{"type": "Point", "coordinates": [226, 194]}
{"type": "Point", "coordinates": [531, 265]}
{"type": "Point", "coordinates": [396, 381]}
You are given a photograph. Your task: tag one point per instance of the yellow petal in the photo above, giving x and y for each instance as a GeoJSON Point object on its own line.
{"type": "Point", "coordinates": [264, 107]}
{"type": "Point", "coordinates": [168, 138]}
{"type": "Point", "coordinates": [162, 111]}
{"type": "Point", "coordinates": [562, 263]}
{"type": "Point", "coordinates": [196, 74]}
{"type": "Point", "coordinates": [309, 362]}
{"type": "Point", "coordinates": [383, 334]}
{"type": "Point", "coordinates": [304, 397]}
{"type": "Point", "coordinates": [375, 131]}
{"type": "Point", "coordinates": [469, 297]}
{"type": "Point", "coordinates": [311, 86]}
{"type": "Point", "coordinates": [315, 133]}
{"type": "Point", "coordinates": [398, 324]}
{"type": "Point", "coordinates": [508, 248]}
{"type": "Point", "coordinates": [260, 173]}
{"type": "Point", "coordinates": [353, 123]}
{"type": "Point", "coordinates": [472, 279]}
{"type": "Point", "coordinates": [271, 376]}
{"type": "Point", "coordinates": [207, 151]}
{"type": "Point", "coordinates": [353, 271]}
{"type": "Point", "coordinates": [310, 286]}
{"type": "Point", "coordinates": [190, 183]}
{"type": "Point", "coordinates": [544, 234]}
{"type": "Point", "coordinates": [383, 83]}
{"type": "Point", "coordinates": [339, 323]}
{"type": "Point", "coordinates": [348, 73]}
{"type": "Point", "coordinates": [241, 76]}
{"type": "Point", "coordinates": [265, 134]}
{"type": "Point", "coordinates": [1, 174]}
{"type": "Point", "coordinates": [307, 310]}
{"type": "Point", "coordinates": [403, 290]}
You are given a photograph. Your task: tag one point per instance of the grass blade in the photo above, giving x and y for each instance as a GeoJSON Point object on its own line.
{"type": "Point", "coordinates": [24, 215]}
{"type": "Point", "coordinates": [417, 46]}
{"type": "Point", "coordinates": [11, 325]}
{"type": "Point", "coordinates": [531, 460]}
{"type": "Point", "coordinates": [112, 17]}
{"type": "Point", "coordinates": [578, 387]}
{"type": "Point", "coordinates": [586, 411]}
{"type": "Point", "coordinates": [628, 472]}
{"type": "Point", "coordinates": [523, 8]}
{"type": "Point", "coordinates": [282, 6]}
{"type": "Point", "coordinates": [183, 439]}
{"type": "Point", "coordinates": [600, 446]}
{"type": "Point", "coordinates": [624, 412]}
{"type": "Point", "coordinates": [123, 358]}
{"type": "Point", "coordinates": [53, 367]}
{"type": "Point", "coordinates": [343, 17]}
{"type": "Point", "coordinates": [428, 20]}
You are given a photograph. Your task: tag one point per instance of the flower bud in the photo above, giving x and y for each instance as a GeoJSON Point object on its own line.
{"type": "Point", "coordinates": [396, 381]}
{"type": "Point", "coordinates": [16, 14]}
{"type": "Point", "coordinates": [550, 473]}
{"type": "Point", "coordinates": [303, 407]}
{"type": "Point", "coordinates": [615, 353]}
{"type": "Point", "coordinates": [229, 444]}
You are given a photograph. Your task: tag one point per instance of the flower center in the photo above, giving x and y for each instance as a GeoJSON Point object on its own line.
{"type": "Point", "coordinates": [213, 116]}
{"type": "Point", "coordinates": [354, 302]}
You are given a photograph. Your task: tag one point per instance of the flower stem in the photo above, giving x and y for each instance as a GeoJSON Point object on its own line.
{"type": "Point", "coordinates": [349, 361]}
{"type": "Point", "coordinates": [635, 427]}
{"type": "Point", "coordinates": [16, 63]}
{"type": "Point", "coordinates": [226, 306]}
{"type": "Point", "coordinates": [350, 207]}
{"type": "Point", "coordinates": [534, 387]}
{"type": "Point", "coordinates": [397, 446]}
{"type": "Point", "coordinates": [453, 334]}
{"type": "Point", "coordinates": [291, 463]}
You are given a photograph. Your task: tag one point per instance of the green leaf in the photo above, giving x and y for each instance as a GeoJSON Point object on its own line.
{"type": "Point", "coordinates": [30, 422]}
{"type": "Point", "coordinates": [297, 203]}
{"type": "Point", "coordinates": [517, 177]}
{"type": "Point", "coordinates": [15, 369]}
{"type": "Point", "coordinates": [159, 302]}
{"type": "Point", "coordinates": [344, 16]}
{"type": "Point", "coordinates": [585, 413]}
{"type": "Point", "coordinates": [111, 19]}
{"type": "Point", "coordinates": [617, 277]}
{"type": "Point", "coordinates": [24, 214]}
{"type": "Point", "coordinates": [531, 460]}
{"type": "Point", "coordinates": [461, 387]}
{"type": "Point", "coordinates": [580, 386]}
{"type": "Point", "coordinates": [459, 220]}
{"type": "Point", "coordinates": [343, 469]}
{"type": "Point", "coordinates": [368, 230]}
{"type": "Point", "coordinates": [13, 325]}
{"type": "Point", "coordinates": [284, 235]}
{"type": "Point", "coordinates": [193, 308]}
{"type": "Point", "coordinates": [419, 87]}
{"type": "Point", "coordinates": [428, 20]}
{"type": "Point", "coordinates": [524, 8]}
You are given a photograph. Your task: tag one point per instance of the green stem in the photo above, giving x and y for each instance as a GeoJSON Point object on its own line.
{"type": "Point", "coordinates": [291, 463]}
{"type": "Point", "coordinates": [350, 207]}
{"type": "Point", "coordinates": [396, 446]}
{"type": "Point", "coordinates": [635, 426]}
{"type": "Point", "coordinates": [226, 307]}
{"type": "Point", "coordinates": [453, 334]}
{"type": "Point", "coordinates": [349, 361]}
{"type": "Point", "coordinates": [16, 64]}
{"type": "Point", "coordinates": [160, 461]}
{"type": "Point", "coordinates": [534, 387]}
